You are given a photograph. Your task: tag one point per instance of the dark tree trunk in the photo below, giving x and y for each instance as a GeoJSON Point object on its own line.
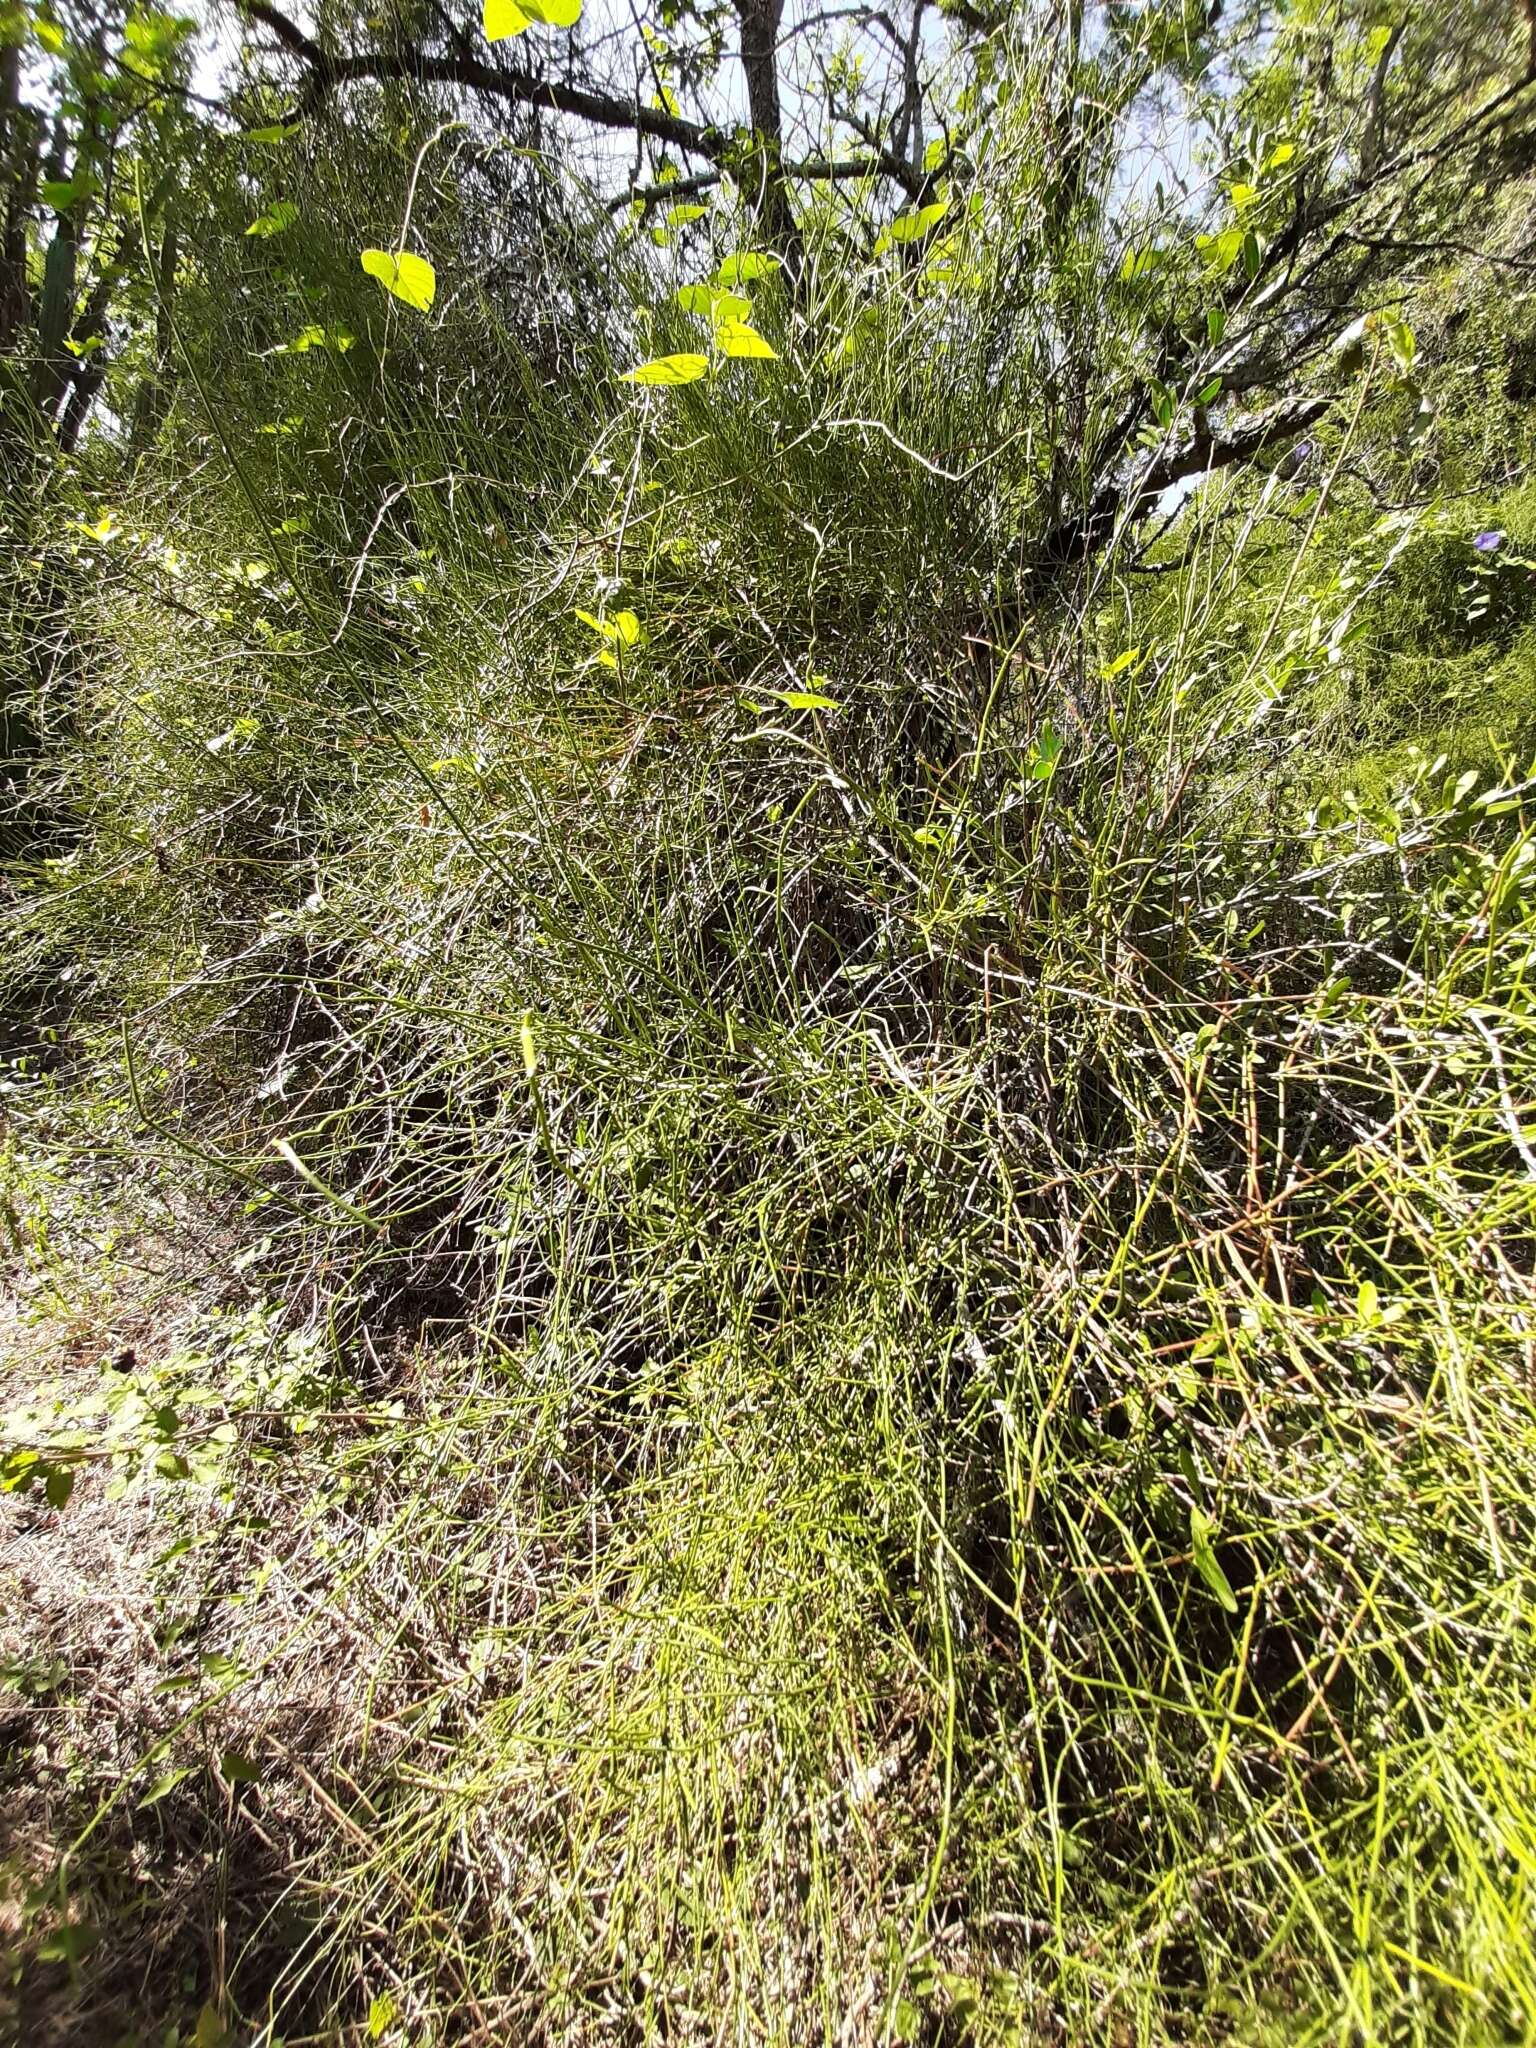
{"type": "Point", "coordinates": [759, 20]}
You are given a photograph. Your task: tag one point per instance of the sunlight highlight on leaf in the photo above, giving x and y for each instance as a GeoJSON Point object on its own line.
{"type": "Point", "coordinates": [736, 338]}
{"type": "Point", "coordinates": [623, 627]}
{"type": "Point", "coordinates": [912, 227]}
{"type": "Point", "coordinates": [711, 303]}
{"type": "Point", "coordinates": [503, 18]}
{"type": "Point", "coordinates": [680, 369]}
{"type": "Point", "coordinates": [410, 278]}
{"type": "Point", "coordinates": [806, 700]}
{"type": "Point", "coordinates": [749, 264]}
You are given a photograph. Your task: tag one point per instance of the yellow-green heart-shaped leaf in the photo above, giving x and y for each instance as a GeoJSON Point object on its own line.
{"type": "Point", "coordinates": [623, 626]}
{"type": "Point", "coordinates": [751, 263]}
{"type": "Point", "coordinates": [711, 303]}
{"type": "Point", "coordinates": [684, 369]}
{"type": "Point", "coordinates": [736, 338]}
{"type": "Point", "coordinates": [409, 277]}
{"type": "Point", "coordinates": [912, 226]}
{"type": "Point", "coordinates": [503, 18]}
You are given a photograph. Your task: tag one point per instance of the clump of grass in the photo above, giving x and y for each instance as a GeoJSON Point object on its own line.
{"type": "Point", "coordinates": [928, 1270]}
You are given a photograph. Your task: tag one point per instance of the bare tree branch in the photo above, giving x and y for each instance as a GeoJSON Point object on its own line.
{"type": "Point", "coordinates": [329, 74]}
{"type": "Point", "coordinates": [1071, 540]}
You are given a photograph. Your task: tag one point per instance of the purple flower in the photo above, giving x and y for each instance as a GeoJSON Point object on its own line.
{"type": "Point", "coordinates": [1488, 543]}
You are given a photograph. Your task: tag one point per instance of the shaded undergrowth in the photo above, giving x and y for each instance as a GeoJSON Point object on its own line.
{"type": "Point", "coordinates": [871, 1374]}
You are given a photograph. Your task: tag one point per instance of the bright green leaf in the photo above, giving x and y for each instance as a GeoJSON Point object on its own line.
{"type": "Point", "coordinates": [338, 338]}
{"type": "Point", "coordinates": [1400, 339]}
{"type": "Point", "coordinates": [805, 700]}
{"type": "Point", "coordinates": [737, 338]}
{"type": "Point", "coordinates": [912, 227]}
{"type": "Point", "coordinates": [682, 369]}
{"type": "Point", "coordinates": [1221, 251]}
{"type": "Point", "coordinates": [1044, 754]}
{"type": "Point", "coordinates": [623, 626]}
{"type": "Point", "coordinates": [743, 268]}
{"type": "Point", "coordinates": [711, 303]}
{"type": "Point", "coordinates": [410, 278]}
{"type": "Point", "coordinates": [503, 18]}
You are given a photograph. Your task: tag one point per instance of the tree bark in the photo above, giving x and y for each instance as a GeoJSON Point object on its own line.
{"type": "Point", "coordinates": [759, 22]}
